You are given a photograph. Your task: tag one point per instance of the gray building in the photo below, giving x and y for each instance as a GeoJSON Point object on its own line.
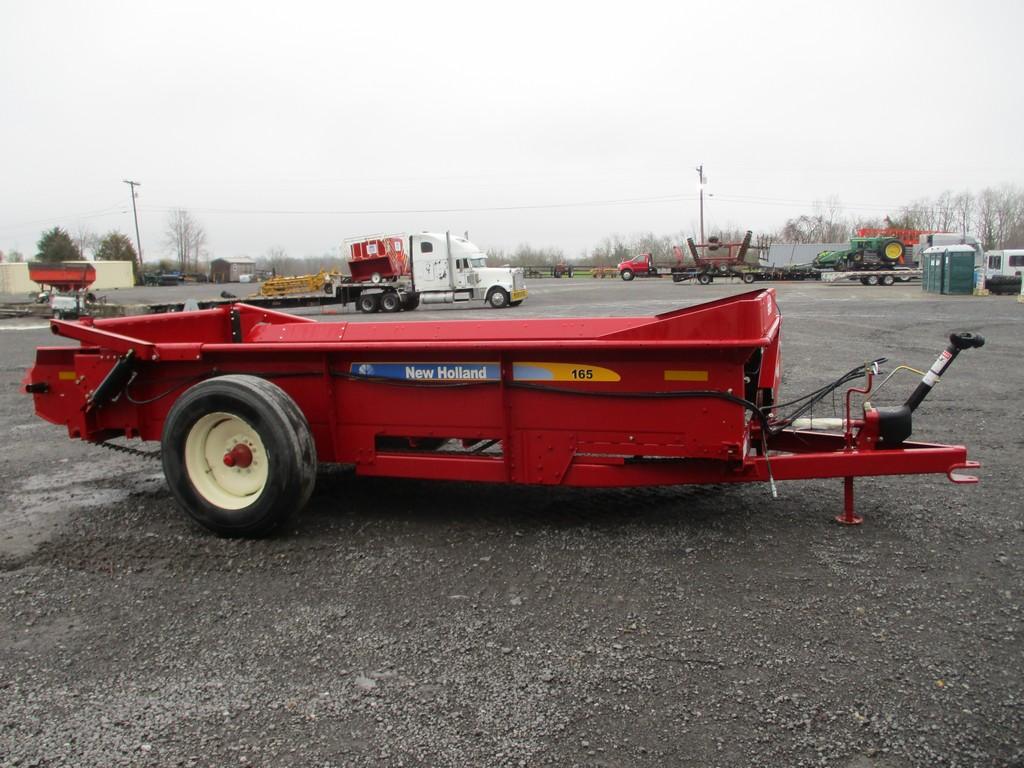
{"type": "Point", "coordinates": [230, 268]}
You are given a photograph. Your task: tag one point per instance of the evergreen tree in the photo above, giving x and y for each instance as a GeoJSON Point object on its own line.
{"type": "Point", "coordinates": [56, 245]}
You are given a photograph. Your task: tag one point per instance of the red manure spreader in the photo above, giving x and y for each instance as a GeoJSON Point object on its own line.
{"type": "Point", "coordinates": [246, 402]}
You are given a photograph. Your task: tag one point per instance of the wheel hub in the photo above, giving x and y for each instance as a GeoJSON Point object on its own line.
{"type": "Point", "coordinates": [240, 456]}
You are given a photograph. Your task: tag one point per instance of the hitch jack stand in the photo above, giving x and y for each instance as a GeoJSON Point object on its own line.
{"type": "Point", "coordinates": [849, 517]}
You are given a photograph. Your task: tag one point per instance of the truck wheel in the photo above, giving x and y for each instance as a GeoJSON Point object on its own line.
{"type": "Point", "coordinates": [627, 274]}
{"type": "Point", "coordinates": [870, 280]}
{"type": "Point", "coordinates": [704, 279]}
{"type": "Point", "coordinates": [498, 298]}
{"type": "Point", "coordinates": [410, 301]}
{"type": "Point", "coordinates": [238, 455]}
{"type": "Point", "coordinates": [390, 302]}
{"type": "Point", "coordinates": [328, 289]}
{"type": "Point", "coordinates": [888, 280]}
{"type": "Point", "coordinates": [369, 302]}
{"type": "Point", "coordinates": [748, 277]}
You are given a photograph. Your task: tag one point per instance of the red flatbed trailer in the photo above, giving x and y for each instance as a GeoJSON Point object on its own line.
{"type": "Point", "coordinates": [246, 402]}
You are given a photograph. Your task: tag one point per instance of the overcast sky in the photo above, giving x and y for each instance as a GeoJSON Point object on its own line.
{"type": "Point", "coordinates": [299, 124]}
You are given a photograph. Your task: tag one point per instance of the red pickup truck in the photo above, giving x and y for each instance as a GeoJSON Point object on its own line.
{"type": "Point", "coordinates": [640, 266]}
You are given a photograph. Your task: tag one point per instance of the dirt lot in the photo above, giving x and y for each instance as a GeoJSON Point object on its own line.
{"type": "Point", "coordinates": [439, 624]}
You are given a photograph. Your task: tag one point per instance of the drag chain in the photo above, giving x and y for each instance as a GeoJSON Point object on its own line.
{"type": "Point", "coordinates": [129, 450]}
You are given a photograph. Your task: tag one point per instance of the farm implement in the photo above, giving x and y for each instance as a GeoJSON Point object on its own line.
{"type": "Point", "coordinates": [246, 402]}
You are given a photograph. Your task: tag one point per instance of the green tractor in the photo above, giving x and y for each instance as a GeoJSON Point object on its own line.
{"type": "Point", "coordinates": [863, 253]}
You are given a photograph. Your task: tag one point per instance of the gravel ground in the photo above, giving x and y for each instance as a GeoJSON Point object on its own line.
{"type": "Point", "coordinates": [412, 623]}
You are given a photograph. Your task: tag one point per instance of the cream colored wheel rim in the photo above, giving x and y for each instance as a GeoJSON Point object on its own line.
{"type": "Point", "coordinates": [210, 439]}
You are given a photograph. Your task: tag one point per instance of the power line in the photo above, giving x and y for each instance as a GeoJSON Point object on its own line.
{"type": "Point", "coordinates": [109, 211]}
{"type": "Point", "coordinates": [371, 212]}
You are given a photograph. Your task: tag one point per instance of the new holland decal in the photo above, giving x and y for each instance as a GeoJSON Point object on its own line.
{"type": "Point", "coordinates": [482, 371]}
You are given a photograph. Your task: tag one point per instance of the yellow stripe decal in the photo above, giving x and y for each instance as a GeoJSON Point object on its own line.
{"type": "Point", "coordinates": [562, 372]}
{"type": "Point", "coordinates": [67, 375]}
{"type": "Point", "coordinates": [686, 375]}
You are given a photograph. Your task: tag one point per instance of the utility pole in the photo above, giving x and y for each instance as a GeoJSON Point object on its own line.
{"type": "Point", "coordinates": [700, 172]}
{"type": "Point", "coordinates": [135, 213]}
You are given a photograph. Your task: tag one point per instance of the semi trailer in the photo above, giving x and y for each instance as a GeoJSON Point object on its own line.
{"type": "Point", "coordinates": [392, 273]}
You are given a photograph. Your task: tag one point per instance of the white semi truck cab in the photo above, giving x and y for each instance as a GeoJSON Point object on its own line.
{"type": "Point", "coordinates": [447, 268]}
{"type": "Point", "coordinates": [437, 268]}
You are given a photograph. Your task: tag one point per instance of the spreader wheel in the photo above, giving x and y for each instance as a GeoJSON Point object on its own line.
{"type": "Point", "coordinates": [238, 455]}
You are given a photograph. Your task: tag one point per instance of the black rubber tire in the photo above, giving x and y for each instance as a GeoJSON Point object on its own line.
{"type": "Point", "coordinates": [498, 298]}
{"type": "Point", "coordinates": [410, 301]}
{"type": "Point", "coordinates": [704, 279]}
{"type": "Point", "coordinates": [368, 302]}
{"type": "Point", "coordinates": [887, 280]}
{"type": "Point", "coordinates": [290, 452]}
{"type": "Point", "coordinates": [626, 274]}
{"type": "Point", "coordinates": [864, 281]}
{"type": "Point", "coordinates": [892, 251]}
{"type": "Point", "coordinates": [871, 280]}
{"type": "Point", "coordinates": [328, 289]}
{"type": "Point", "coordinates": [390, 302]}
{"type": "Point", "coordinates": [749, 277]}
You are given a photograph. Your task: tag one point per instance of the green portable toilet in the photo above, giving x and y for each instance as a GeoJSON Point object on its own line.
{"type": "Point", "coordinates": [958, 270]}
{"type": "Point", "coordinates": [933, 263]}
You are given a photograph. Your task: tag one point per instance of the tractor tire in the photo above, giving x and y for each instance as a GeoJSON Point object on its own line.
{"type": "Point", "coordinates": [627, 274]}
{"type": "Point", "coordinates": [892, 251]}
{"type": "Point", "coordinates": [238, 455]}
{"type": "Point", "coordinates": [369, 302]}
{"type": "Point", "coordinates": [390, 302]}
{"type": "Point", "coordinates": [498, 298]}
{"type": "Point", "coordinates": [704, 279]}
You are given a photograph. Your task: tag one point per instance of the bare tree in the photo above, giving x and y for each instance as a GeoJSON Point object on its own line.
{"type": "Point", "coordinates": [85, 238]}
{"type": "Point", "coordinates": [186, 237]}
{"type": "Point", "coordinates": [277, 260]}
{"type": "Point", "coordinates": [945, 212]}
{"type": "Point", "coordinates": [963, 206]}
